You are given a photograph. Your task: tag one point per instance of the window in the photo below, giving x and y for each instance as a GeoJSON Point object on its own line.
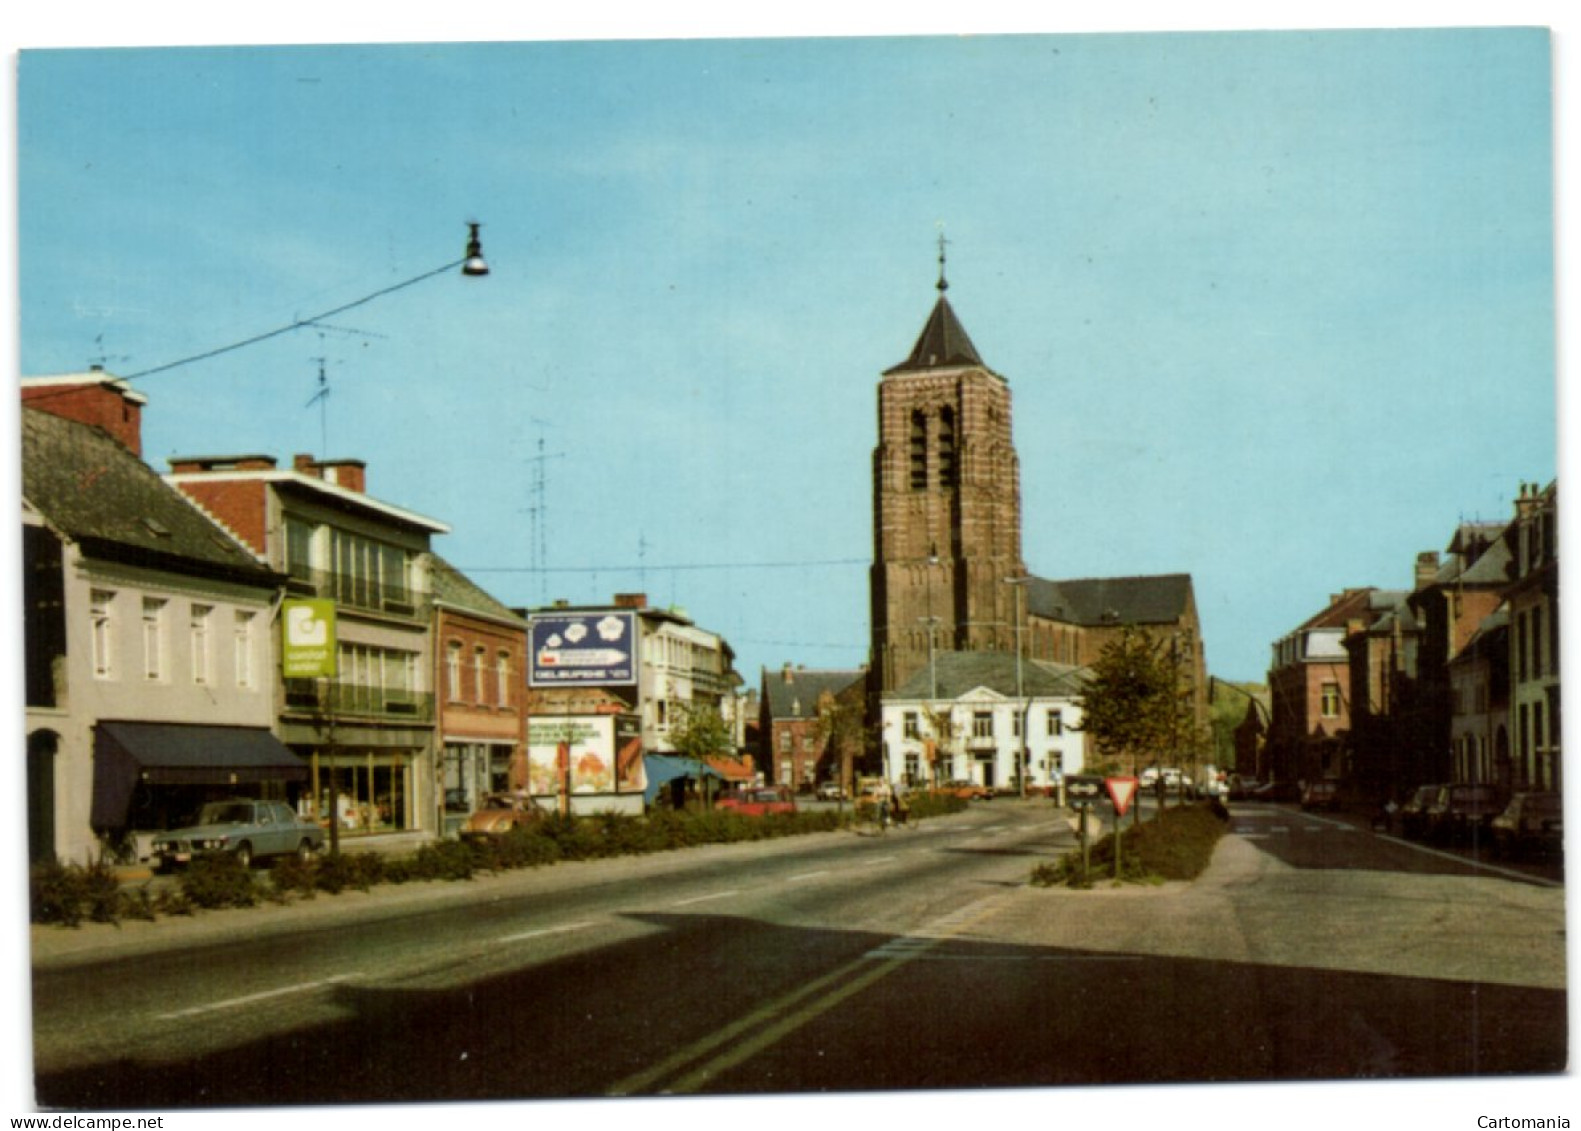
{"type": "Point", "coordinates": [453, 670]}
{"type": "Point", "coordinates": [947, 448]}
{"type": "Point", "coordinates": [982, 724]}
{"type": "Point", "coordinates": [785, 742]}
{"type": "Point", "coordinates": [298, 548]}
{"type": "Point", "coordinates": [1330, 700]}
{"type": "Point", "coordinates": [919, 451]}
{"type": "Point", "coordinates": [502, 677]}
{"type": "Point", "coordinates": [1536, 635]}
{"type": "Point", "coordinates": [479, 657]}
{"type": "Point", "coordinates": [154, 638]}
{"type": "Point", "coordinates": [201, 672]}
{"type": "Point", "coordinates": [100, 603]}
{"type": "Point", "coordinates": [244, 648]}
{"type": "Point", "coordinates": [911, 724]}
{"type": "Point", "coordinates": [1056, 724]}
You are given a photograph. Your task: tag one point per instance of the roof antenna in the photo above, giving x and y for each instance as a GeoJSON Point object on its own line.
{"type": "Point", "coordinates": [943, 284]}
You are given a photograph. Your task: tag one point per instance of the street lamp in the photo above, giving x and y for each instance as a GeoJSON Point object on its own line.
{"type": "Point", "coordinates": [1021, 755]}
{"type": "Point", "coordinates": [472, 265]}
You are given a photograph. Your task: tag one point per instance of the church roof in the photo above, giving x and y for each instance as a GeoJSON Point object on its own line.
{"type": "Point", "coordinates": [943, 343]}
{"type": "Point", "coordinates": [1111, 600]}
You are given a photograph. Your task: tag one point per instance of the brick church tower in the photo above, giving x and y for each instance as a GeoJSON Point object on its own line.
{"type": "Point", "coordinates": [946, 505]}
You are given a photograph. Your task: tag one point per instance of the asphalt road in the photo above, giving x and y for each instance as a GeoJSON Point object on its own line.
{"type": "Point", "coordinates": [1313, 949]}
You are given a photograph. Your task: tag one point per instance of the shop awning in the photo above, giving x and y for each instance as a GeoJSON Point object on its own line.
{"type": "Point", "coordinates": [125, 754]}
{"type": "Point", "coordinates": [664, 768]}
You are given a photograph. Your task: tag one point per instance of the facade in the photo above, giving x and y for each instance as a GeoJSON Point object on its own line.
{"type": "Point", "coordinates": [1309, 685]}
{"type": "Point", "coordinates": [800, 746]}
{"type": "Point", "coordinates": [1479, 682]}
{"type": "Point", "coordinates": [149, 685]}
{"type": "Point", "coordinates": [982, 718]}
{"type": "Point", "coordinates": [366, 729]}
{"type": "Point", "coordinates": [480, 651]}
{"type": "Point", "coordinates": [946, 505]}
{"type": "Point", "coordinates": [1533, 607]}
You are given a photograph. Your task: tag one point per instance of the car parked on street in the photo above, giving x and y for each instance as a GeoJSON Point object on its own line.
{"type": "Point", "coordinates": [830, 791]}
{"type": "Point", "coordinates": [1320, 795]}
{"type": "Point", "coordinates": [759, 802]}
{"type": "Point", "coordinates": [499, 813]}
{"type": "Point", "coordinates": [967, 790]}
{"type": "Point", "coordinates": [1464, 811]}
{"type": "Point", "coordinates": [1277, 791]}
{"type": "Point", "coordinates": [247, 829]}
{"type": "Point", "coordinates": [1413, 816]}
{"type": "Point", "coordinates": [1531, 824]}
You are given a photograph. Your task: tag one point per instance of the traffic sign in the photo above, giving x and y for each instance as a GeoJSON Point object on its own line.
{"type": "Point", "coordinates": [1083, 788]}
{"type": "Point", "coordinates": [1121, 791]}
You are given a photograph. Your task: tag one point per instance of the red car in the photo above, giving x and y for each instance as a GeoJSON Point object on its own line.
{"type": "Point", "coordinates": [757, 802]}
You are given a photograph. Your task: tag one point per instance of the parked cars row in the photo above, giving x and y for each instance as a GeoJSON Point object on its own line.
{"type": "Point", "coordinates": [759, 802]}
{"type": "Point", "coordinates": [1482, 813]}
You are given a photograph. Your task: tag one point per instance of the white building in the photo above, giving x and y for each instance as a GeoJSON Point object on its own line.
{"type": "Point", "coordinates": [148, 637]}
{"type": "Point", "coordinates": [980, 716]}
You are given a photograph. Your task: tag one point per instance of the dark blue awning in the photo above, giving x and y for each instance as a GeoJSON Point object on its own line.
{"type": "Point", "coordinates": [126, 753]}
{"type": "Point", "coordinates": [662, 769]}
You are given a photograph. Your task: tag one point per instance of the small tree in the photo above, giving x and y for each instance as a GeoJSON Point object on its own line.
{"type": "Point", "coordinates": [1133, 706]}
{"type": "Point", "coordinates": [841, 729]}
{"type": "Point", "coordinates": [702, 733]}
{"type": "Point", "coordinates": [941, 723]}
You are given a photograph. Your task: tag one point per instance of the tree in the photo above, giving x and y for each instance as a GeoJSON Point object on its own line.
{"type": "Point", "coordinates": [703, 733]}
{"type": "Point", "coordinates": [1134, 707]}
{"type": "Point", "coordinates": [841, 729]}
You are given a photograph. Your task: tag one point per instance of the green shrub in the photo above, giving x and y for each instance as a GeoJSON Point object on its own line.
{"type": "Point", "coordinates": [337, 871]}
{"type": "Point", "coordinates": [1174, 846]}
{"type": "Point", "coordinates": [293, 876]}
{"type": "Point", "coordinates": [55, 894]}
{"type": "Point", "coordinates": [444, 860]}
{"type": "Point", "coordinates": [218, 879]}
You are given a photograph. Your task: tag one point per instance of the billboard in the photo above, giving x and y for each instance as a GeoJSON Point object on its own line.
{"type": "Point", "coordinates": [307, 638]}
{"type": "Point", "coordinates": [594, 649]}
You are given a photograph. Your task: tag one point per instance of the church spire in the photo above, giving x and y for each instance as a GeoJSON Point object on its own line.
{"type": "Point", "coordinates": [943, 343]}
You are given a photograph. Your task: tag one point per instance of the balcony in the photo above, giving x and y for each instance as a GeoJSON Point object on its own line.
{"type": "Point", "coordinates": [350, 701]}
{"type": "Point", "coordinates": [356, 593]}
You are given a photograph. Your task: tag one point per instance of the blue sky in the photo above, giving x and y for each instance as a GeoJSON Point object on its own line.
{"type": "Point", "coordinates": [1276, 308]}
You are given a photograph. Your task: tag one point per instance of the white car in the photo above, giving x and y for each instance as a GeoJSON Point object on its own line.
{"type": "Point", "coordinates": [830, 791]}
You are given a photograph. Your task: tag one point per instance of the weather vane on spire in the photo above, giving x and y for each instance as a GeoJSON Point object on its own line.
{"type": "Point", "coordinates": [943, 283]}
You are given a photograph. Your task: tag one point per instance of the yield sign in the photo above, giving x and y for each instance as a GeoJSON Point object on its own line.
{"type": "Point", "coordinates": [1121, 792]}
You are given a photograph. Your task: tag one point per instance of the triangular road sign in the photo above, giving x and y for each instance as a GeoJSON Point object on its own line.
{"type": "Point", "coordinates": [1121, 791]}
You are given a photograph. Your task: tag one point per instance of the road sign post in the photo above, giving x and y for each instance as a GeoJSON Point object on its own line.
{"type": "Point", "coordinates": [1081, 791]}
{"type": "Point", "coordinates": [1122, 791]}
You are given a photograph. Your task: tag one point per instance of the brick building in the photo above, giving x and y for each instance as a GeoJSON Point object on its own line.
{"type": "Point", "coordinates": [795, 711]}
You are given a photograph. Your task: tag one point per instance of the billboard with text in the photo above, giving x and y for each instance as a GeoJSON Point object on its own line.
{"type": "Point", "coordinates": [593, 649]}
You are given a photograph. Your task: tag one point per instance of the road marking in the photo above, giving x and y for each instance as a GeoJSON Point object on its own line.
{"type": "Point", "coordinates": [882, 860]}
{"type": "Point", "coordinates": [869, 968]}
{"type": "Point", "coordinates": [250, 999]}
{"type": "Point", "coordinates": [542, 931]}
{"type": "Point", "coordinates": [806, 876]}
{"type": "Point", "coordinates": [1509, 872]}
{"type": "Point", "coordinates": [705, 898]}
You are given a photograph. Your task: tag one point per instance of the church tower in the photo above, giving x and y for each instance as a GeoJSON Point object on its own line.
{"type": "Point", "coordinates": [946, 505]}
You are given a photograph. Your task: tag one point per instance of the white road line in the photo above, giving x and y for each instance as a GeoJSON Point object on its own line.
{"type": "Point", "coordinates": [882, 860]}
{"type": "Point", "coordinates": [1510, 872]}
{"type": "Point", "coordinates": [705, 898]}
{"type": "Point", "coordinates": [250, 999]}
{"type": "Point", "coordinates": [806, 876]}
{"type": "Point", "coordinates": [542, 931]}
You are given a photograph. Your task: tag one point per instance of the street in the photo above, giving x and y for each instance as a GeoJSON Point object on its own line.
{"type": "Point", "coordinates": [1313, 949]}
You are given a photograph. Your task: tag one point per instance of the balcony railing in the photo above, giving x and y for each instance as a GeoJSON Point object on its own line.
{"type": "Point", "coordinates": [395, 600]}
{"type": "Point", "coordinates": [305, 697]}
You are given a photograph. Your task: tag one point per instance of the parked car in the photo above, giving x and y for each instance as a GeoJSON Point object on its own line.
{"type": "Point", "coordinates": [1321, 795]}
{"type": "Point", "coordinates": [830, 791]}
{"type": "Point", "coordinates": [1413, 816]}
{"type": "Point", "coordinates": [1464, 810]}
{"type": "Point", "coordinates": [1530, 823]}
{"type": "Point", "coordinates": [1243, 789]}
{"type": "Point", "coordinates": [1277, 791]}
{"type": "Point", "coordinates": [758, 802]}
{"type": "Point", "coordinates": [969, 790]}
{"type": "Point", "coordinates": [499, 813]}
{"type": "Point", "coordinates": [248, 829]}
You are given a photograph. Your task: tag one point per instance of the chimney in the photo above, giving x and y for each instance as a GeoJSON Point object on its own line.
{"type": "Point", "coordinates": [94, 398]}
{"type": "Point", "coordinates": [631, 600]}
{"type": "Point", "coordinates": [1426, 568]}
{"type": "Point", "coordinates": [352, 474]}
{"type": "Point", "coordinates": [788, 674]}
{"type": "Point", "coordinates": [198, 465]}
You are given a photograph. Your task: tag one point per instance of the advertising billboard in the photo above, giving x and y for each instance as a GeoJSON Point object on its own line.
{"type": "Point", "coordinates": [595, 649]}
{"type": "Point", "coordinates": [308, 638]}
